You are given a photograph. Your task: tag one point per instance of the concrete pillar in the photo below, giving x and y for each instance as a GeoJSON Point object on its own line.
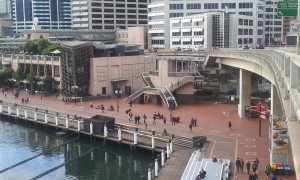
{"type": "Point", "coordinates": [67, 122]}
{"type": "Point", "coordinates": [152, 139]}
{"type": "Point", "coordinates": [105, 131]}
{"type": "Point", "coordinates": [168, 150]}
{"type": "Point", "coordinates": [162, 158]}
{"type": "Point", "coordinates": [293, 111]}
{"type": "Point", "coordinates": [8, 110]}
{"type": "Point", "coordinates": [25, 114]}
{"type": "Point", "coordinates": [18, 112]}
{"type": "Point", "coordinates": [56, 120]}
{"type": "Point", "coordinates": [149, 174]}
{"type": "Point", "coordinates": [276, 106]}
{"type": "Point", "coordinates": [91, 128]}
{"type": "Point", "coordinates": [245, 92]}
{"type": "Point", "coordinates": [156, 168]}
{"type": "Point", "coordinates": [119, 134]}
{"type": "Point", "coordinates": [46, 118]}
{"type": "Point", "coordinates": [78, 126]}
{"type": "Point", "coordinates": [35, 117]}
{"type": "Point", "coordinates": [135, 138]}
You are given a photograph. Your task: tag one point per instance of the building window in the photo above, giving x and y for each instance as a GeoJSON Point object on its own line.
{"type": "Point", "coordinates": [176, 6]}
{"type": "Point", "coordinates": [56, 71]}
{"type": "Point", "coordinates": [240, 31]}
{"type": "Point", "coordinates": [246, 13]}
{"type": "Point", "coordinates": [211, 6]}
{"type": "Point", "coordinates": [175, 42]}
{"type": "Point", "coordinates": [246, 22]}
{"type": "Point", "coordinates": [245, 5]}
{"type": "Point", "coordinates": [186, 42]}
{"type": "Point", "coordinates": [186, 33]}
{"type": "Point", "coordinates": [175, 33]}
{"type": "Point", "coordinates": [108, 5]}
{"type": "Point", "coordinates": [176, 15]}
{"type": "Point", "coordinates": [240, 21]}
{"type": "Point", "coordinates": [250, 22]}
{"type": "Point", "coordinates": [228, 5]}
{"type": "Point", "coordinates": [245, 31]}
{"type": "Point", "coordinates": [193, 6]}
{"type": "Point", "coordinates": [250, 31]}
{"type": "Point", "coordinates": [103, 90]}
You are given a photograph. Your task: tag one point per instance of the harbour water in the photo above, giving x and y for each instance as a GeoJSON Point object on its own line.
{"type": "Point", "coordinates": [29, 152]}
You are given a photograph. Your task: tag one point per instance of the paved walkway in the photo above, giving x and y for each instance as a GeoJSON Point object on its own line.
{"type": "Point", "coordinates": [243, 141]}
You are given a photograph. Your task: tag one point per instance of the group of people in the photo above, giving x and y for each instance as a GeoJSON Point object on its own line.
{"type": "Point", "coordinates": [217, 160]}
{"type": "Point", "coordinates": [201, 174]}
{"type": "Point", "coordinates": [66, 100]}
{"type": "Point", "coordinates": [25, 101]}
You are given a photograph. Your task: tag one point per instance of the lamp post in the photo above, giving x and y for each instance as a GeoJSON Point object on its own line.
{"type": "Point", "coordinates": [171, 100]}
{"type": "Point", "coordinates": [118, 93]}
{"type": "Point", "coordinates": [75, 90]}
{"type": "Point", "coordinates": [40, 83]}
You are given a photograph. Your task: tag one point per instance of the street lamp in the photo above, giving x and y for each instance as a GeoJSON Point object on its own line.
{"type": "Point", "coordinates": [40, 83]}
{"type": "Point", "coordinates": [75, 90]}
{"type": "Point", "coordinates": [171, 101]}
{"type": "Point", "coordinates": [118, 93]}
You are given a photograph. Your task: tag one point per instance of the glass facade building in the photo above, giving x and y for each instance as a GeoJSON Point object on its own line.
{"type": "Point", "coordinates": [5, 9]}
{"type": "Point", "coordinates": [51, 14]}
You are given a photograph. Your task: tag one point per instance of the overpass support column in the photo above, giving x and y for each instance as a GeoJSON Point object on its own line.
{"type": "Point", "coordinates": [245, 92]}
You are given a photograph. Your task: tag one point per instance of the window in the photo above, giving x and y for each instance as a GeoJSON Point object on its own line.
{"type": "Point", "coordinates": [120, 10]}
{"type": "Point", "coordinates": [246, 13]}
{"type": "Point", "coordinates": [176, 6]}
{"type": "Point", "coordinates": [187, 23]}
{"type": "Point", "coordinates": [175, 24]}
{"type": "Point", "coordinates": [210, 5]}
{"type": "Point", "coordinates": [109, 10]}
{"type": "Point", "coordinates": [120, 16]}
{"type": "Point", "coordinates": [240, 21]}
{"type": "Point", "coordinates": [186, 33]}
{"type": "Point", "coordinates": [246, 22]}
{"type": "Point", "coordinates": [240, 31]}
{"type": "Point", "coordinates": [228, 5]}
{"type": "Point", "coordinates": [198, 33]}
{"type": "Point", "coordinates": [193, 6]}
{"type": "Point", "coordinates": [131, 5]}
{"type": "Point", "coordinates": [103, 90]}
{"type": "Point", "coordinates": [131, 11]}
{"type": "Point", "coordinates": [245, 5]}
{"type": "Point", "coordinates": [176, 15]}
{"type": "Point", "coordinates": [186, 42]}
{"type": "Point", "coordinates": [108, 16]}
{"type": "Point", "coordinates": [97, 21]}
{"type": "Point", "coordinates": [175, 42]}
{"type": "Point", "coordinates": [250, 22]}
{"type": "Point", "coordinates": [120, 5]}
{"type": "Point", "coordinates": [97, 15]}
{"type": "Point", "coordinates": [175, 33]}
{"type": "Point", "coordinates": [120, 22]}
{"type": "Point", "coordinates": [250, 31]}
{"type": "Point", "coordinates": [108, 5]}
{"type": "Point", "coordinates": [131, 16]}
{"type": "Point", "coordinates": [131, 22]}
{"type": "Point", "coordinates": [245, 31]}
{"type": "Point", "coordinates": [56, 71]}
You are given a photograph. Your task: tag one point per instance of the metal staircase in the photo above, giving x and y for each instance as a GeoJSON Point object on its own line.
{"type": "Point", "coordinates": [183, 81]}
{"type": "Point", "coordinates": [146, 79]}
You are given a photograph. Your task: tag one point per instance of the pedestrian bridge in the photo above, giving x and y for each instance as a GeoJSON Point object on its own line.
{"type": "Point", "coordinates": [282, 69]}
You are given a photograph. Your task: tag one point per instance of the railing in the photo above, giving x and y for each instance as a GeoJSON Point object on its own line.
{"type": "Point", "coordinates": [144, 79]}
{"type": "Point", "coordinates": [179, 74]}
{"type": "Point", "coordinates": [180, 82]}
{"type": "Point", "coordinates": [170, 95]}
{"type": "Point", "coordinates": [135, 94]}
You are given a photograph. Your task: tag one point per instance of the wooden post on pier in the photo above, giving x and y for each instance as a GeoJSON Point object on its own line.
{"type": "Point", "coordinates": [56, 120]}
{"type": "Point", "coordinates": [67, 122]}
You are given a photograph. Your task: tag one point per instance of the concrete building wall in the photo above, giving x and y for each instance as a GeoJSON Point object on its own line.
{"type": "Point", "coordinates": [117, 72]}
{"type": "Point", "coordinates": [4, 23]}
{"type": "Point", "coordinates": [133, 35]}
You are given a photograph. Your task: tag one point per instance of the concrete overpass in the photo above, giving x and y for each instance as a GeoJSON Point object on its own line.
{"type": "Point", "coordinates": [282, 69]}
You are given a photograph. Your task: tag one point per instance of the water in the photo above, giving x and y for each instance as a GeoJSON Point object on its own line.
{"type": "Point", "coordinates": [20, 141]}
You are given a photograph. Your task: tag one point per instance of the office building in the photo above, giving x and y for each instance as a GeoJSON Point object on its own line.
{"type": "Point", "coordinates": [5, 9]}
{"type": "Point", "coordinates": [49, 14]}
{"type": "Point", "coordinates": [160, 12]}
{"type": "Point", "coordinates": [114, 14]}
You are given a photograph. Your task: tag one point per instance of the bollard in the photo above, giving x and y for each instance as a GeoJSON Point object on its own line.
{"type": "Point", "coordinates": [149, 174]}
{"type": "Point", "coordinates": [162, 158]}
{"type": "Point", "coordinates": [119, 134]}
{"type": "Point", "coordinates": [8, 110]}
{"type": "Point", "coordinates": [67, 122]}
{"type": "Point", "coordinates": [156, 167]}
{"type": "Point", "coordinates": [168, 150]}
{"type": "Point", "coordinates": [105, 131]}
{"type": "Point", "coordinates": [46, 118]}
{"type": "Point", "coordinates": [171, 147]}
{"type": "Point", "coordinates": [25, 113]}
{"type": "Point", "coordinates": [91, 128]}
{"type": "Point", "coordinates": [120, 161]}
{"type": "Point", "coordinates": [56, 119]}
{"type": "Point", "coordinates": [17, 112]}
{"type": "Point", "coordinates": [134, 138]}
{"type": "Point", "coordinates": [1, 109]}
{"type": "Point", "coordinates": [153, 145]}
{"type": "Point", "coordinates": [78, 126]}
{"type": "Point", "coordinates": [35, 116]}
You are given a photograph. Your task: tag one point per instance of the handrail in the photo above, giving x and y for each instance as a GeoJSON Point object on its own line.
{"type": "Point", "coordinates": [172, 96]}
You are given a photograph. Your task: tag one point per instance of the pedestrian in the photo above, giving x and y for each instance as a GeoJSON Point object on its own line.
{"type": "Point", "coordinates": [102, 108]}
{"type": "Point", "coordinates": [257, 162]}
{"type": "Point", "coordinates": [138, 119]}
{"type": "Point", "coordinates": [273, 177]}
{"type": "Point", "coordinates": [27, 100]}
{"type": "Point", "coordinates": [144, 117]}
{"type": "Point", "coordinates": [254, 166]}
{"type": "Point", "coordinates": [146, 126]}
{"type": "Point", "coordinates": [229, 126]}
{"type": "Point", "coordinates": [91, 105]}
{"type": "Point", "coordinates": [130, 103]}
{"type": "Point", "coordinates": [130, 116]}
{"type": "Point", "coordinates": [135, 119]}
{"type": "Point", "coordinates": [192, 121]}
{"type": "Point", "coordinates": [238, 164]}
{"type": "Point", "coordinates": [248, 165]}
{"type": "Point", "coordinates": [242, 165]}
{"type": "Point", "coordinates": [173, 120]}
{"type": "Point", "coordinates": [268, 170]}
{"type": "Point", "coordinates": [154, 118]}
{"type": "Point", "coordinates": [190, 126]}
{"type": "Point", "coordinates": [5, 93]}
{"type": "Point", "coordinates": [165, 120]}
{"type": "Point", "coordinates": [195, 121]}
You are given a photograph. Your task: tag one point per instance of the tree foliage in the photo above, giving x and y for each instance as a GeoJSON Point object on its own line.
{"type": "Point", "coordinates": [19, 74]}
{"type": "Point", "coordinates": [31, 78]}
{"type": "Point", "coordinates": [5, 75]}
{"type": "Point", "coordinates": [47, 86]}
{"type": "Point", "coordinates": [39, 47]}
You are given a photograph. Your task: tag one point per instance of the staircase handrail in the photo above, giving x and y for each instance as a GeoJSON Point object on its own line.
{"type": "Point", "coordinates": [136, 92]}
{"type": "Point", "coordinates": [171, 96]}
{"type": "Point", "coordinates": [143, 77]}
{"type": "Point", "coordinates": [165, 98]}
{"type": "Point", "coordinates": [180, 82]}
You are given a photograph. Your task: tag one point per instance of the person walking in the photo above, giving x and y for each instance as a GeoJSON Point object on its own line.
{"type": "Point", "coordinates": [257, 162]}
{"type": "Point", "coordinates": [238, 164]}
{"type": "Point", "coordinates": [144, 117]}
{"type": "Point", "coordinates": [165, 120]}
{"type": "Point", "coordinates": [248, 165]}
{"type": "Point", "coordinates": [130, 103]}
{"type": "Point", "coordinates": [254, 166]}
{"type": "Point", "coordinates": [102, 108]}
{"type": "Point", "coordinates": [242, 165]}
{"type": "Point", "coordinates": [195, 121]}
{"type": "Point", "coordinates": [190, 126]}
{"type": "Point", "coordinates": [229, 126]}
{"type": "Point", "coordinates": [268, 170]}
{"type": "Point", "coordinates": [154, 119]}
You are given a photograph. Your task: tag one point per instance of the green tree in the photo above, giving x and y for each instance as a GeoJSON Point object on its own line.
{"type": "Point", "coordinates": [5, 75]}
{"type": "Point", "coordinates": [31, 47]}
{"type": "Point", "coordinates": [31, 77]}
{"type": "Point", "coordinates": [50, 48]}
{"type": "Point", "coordinates": [42, 44]}
{"type": "Point", "coordinates": [19, 75]}
{"type": "Point", "coordinates": [47, 86]}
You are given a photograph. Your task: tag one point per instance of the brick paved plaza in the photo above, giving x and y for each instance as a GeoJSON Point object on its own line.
{"type": "Point", "coordinates": [243, 141]}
